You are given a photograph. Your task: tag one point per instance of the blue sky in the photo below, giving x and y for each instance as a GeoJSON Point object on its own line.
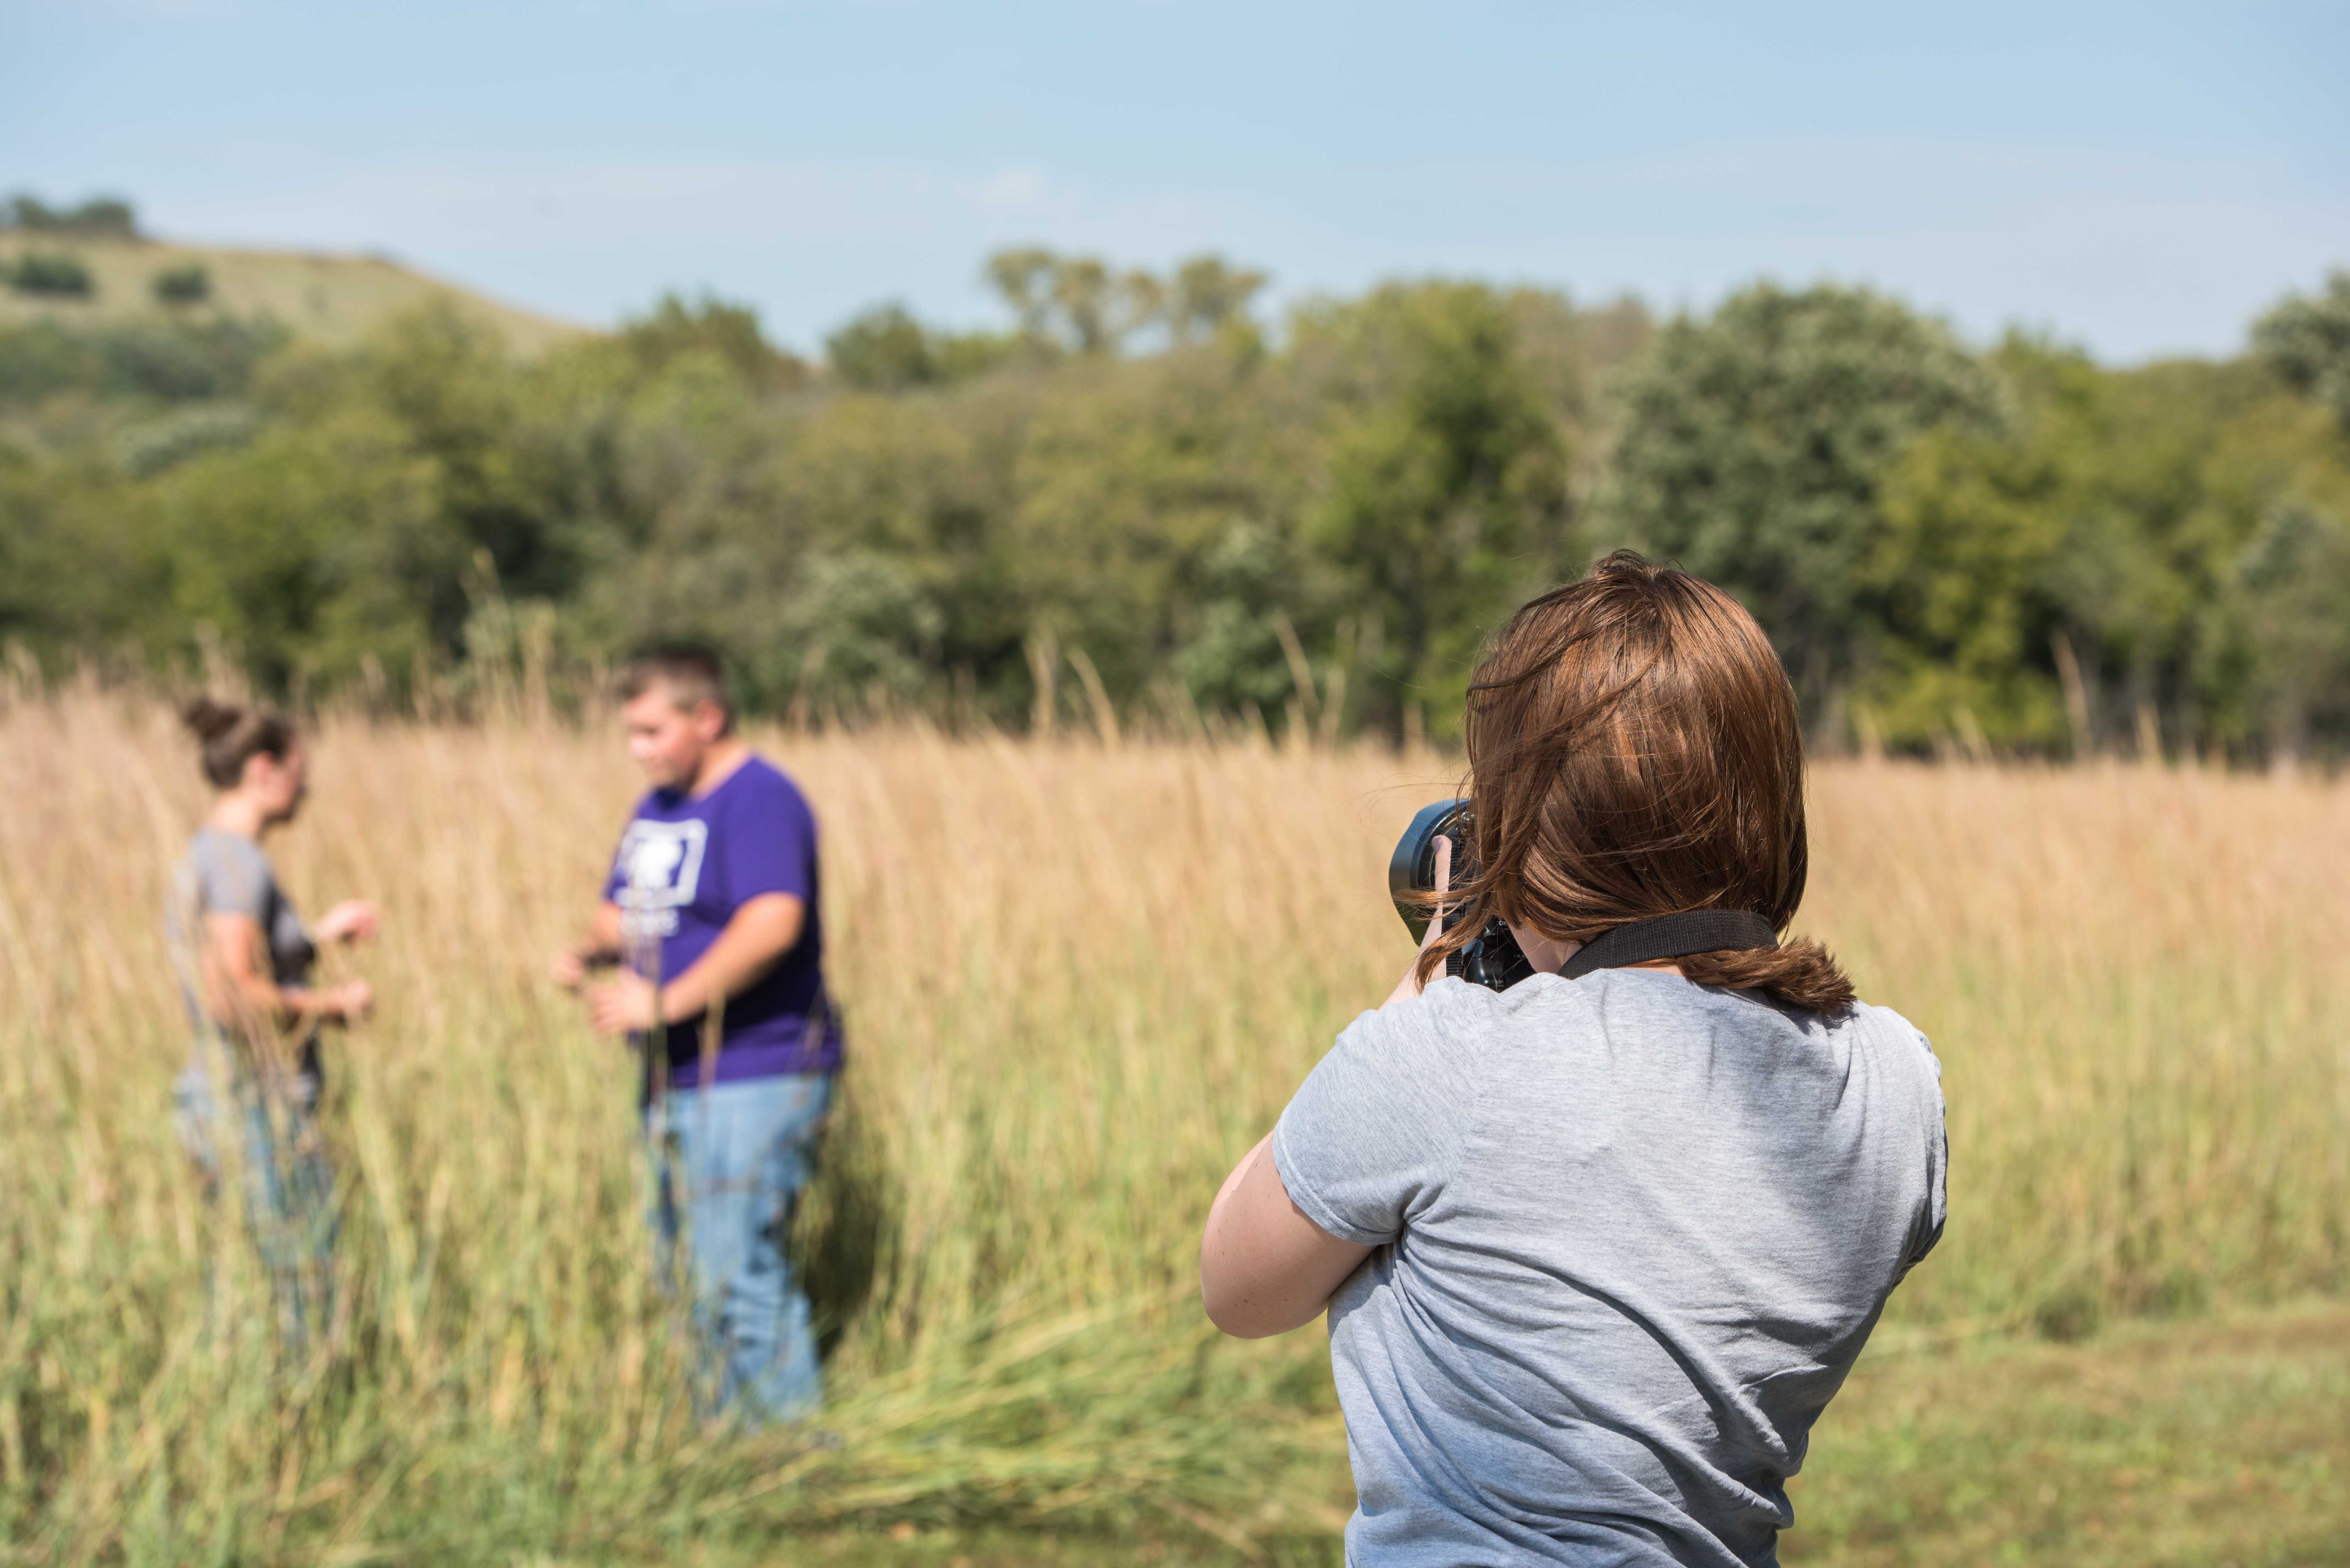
{"type": "Point", "coordinates": [2142, 179]}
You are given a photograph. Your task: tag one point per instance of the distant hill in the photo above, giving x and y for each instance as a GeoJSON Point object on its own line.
{"type": "Point", "coordinates": [334, 298]}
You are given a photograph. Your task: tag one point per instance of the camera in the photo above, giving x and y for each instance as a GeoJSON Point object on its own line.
{"type": "Point", "coordinates": [1493, 958]}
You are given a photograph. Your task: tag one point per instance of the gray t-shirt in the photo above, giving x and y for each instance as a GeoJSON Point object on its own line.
{"type": "Point", "coordinates": [1631, 1234]}
{"type": "Point", "coordinates": [223, 874]}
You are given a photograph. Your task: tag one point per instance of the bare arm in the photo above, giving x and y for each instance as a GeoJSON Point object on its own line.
{"type": "Point", "coordinates": [760, 932]}
{"type": "Point", "coordinates": [1264, 1267]}
{"type": "Point", "coordinates": [242, 995]}
{"type": "Point", "coordinates": [352, 920]}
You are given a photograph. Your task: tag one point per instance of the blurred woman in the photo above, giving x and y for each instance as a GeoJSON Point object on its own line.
{"type": "Point", "coordinates": [1597, 1249]}
{"type": "Point", "coordinates": [248, 1100]}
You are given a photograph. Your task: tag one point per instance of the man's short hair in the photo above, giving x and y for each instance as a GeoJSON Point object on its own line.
{"type": "Point", "coordinates": [689, 672]}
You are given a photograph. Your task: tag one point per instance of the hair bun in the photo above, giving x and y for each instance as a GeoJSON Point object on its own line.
{"type": "Point", "coordinates": [210, 718]}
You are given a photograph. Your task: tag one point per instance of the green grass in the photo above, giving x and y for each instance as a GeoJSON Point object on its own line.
{"type": "Point", "coordinates": [2172, 1444]}
{"type": "Point", "coordinates": [337, 300]}
{"type": "Point", "coordinates": [2209, 1442]}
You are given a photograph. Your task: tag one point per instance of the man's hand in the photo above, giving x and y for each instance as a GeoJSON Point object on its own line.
{"type": "Point", "coordinates": [352, 920]}
{"type": "Point", "coordinates": [626, 1002]}
{"type": "Point", "coordinates": [568, 969]}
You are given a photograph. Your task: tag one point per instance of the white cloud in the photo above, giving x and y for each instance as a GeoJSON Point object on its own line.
{"type": "Point", "coordinates": [1011, 191]}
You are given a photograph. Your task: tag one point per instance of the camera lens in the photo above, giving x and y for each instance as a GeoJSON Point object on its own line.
{"type": "Point", "coordinates": [1412, 867]}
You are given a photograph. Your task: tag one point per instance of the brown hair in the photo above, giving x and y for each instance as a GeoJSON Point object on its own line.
{"type": "Point", "coordinates": [1634, 751]}
{"type": "Point", "coordinates": [689, 672]}
{"type": "Point", "coordinates": [229, 736]}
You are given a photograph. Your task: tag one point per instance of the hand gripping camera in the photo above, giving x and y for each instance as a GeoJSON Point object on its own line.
{"type": "Point", "coordinates": [1492, 959]}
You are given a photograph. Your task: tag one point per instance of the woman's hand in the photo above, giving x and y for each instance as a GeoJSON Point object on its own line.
{"type": "Point", "coordinates": [1409, 986]}
{"type": "Point", "coordinates": [352, 920]}
{"type": "Point", "coordinates": [350, 1000]}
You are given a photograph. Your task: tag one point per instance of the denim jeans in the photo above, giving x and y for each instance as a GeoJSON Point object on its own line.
{"type": "Point", "coordinates": [732, 1160]}
{"type": "Point", "coordinates": [287, 1184]}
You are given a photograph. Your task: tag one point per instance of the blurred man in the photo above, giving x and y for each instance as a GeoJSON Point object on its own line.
{"type": "Point", "coordinates": [711, 902]}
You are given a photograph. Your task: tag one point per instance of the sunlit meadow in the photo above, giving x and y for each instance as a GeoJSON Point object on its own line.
{"type": "Point", "coordinates": [1079, 978]}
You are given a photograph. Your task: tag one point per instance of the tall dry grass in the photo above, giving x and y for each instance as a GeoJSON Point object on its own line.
{"type": "Point", "coordinates": [1079, 982]}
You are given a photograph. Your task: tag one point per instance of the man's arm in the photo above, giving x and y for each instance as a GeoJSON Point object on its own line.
{"type": "Point", "coordinates": [760, 932]}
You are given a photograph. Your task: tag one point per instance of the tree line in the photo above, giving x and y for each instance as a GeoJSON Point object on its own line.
{"type": "Point", "coordinates": [1140, 498]}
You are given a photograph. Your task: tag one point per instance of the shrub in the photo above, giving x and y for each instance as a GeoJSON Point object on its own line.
{"type": "Point", "coordinates": [189, 285]}
{"type": "Point", "coordinates": [730, 331]}
{"type": "Point", "coordinates": [883, 350]}
{"type": "Point", "coordinates": [887, 351]}
{"type": "Point", "coordinates": [182, 360]}
{"type": "Point", "coordinates": [99, 218]}
{"type": "Point", "coordinates": [61, 275]}
{"type": "Point", "coordinates": [2307, 341]}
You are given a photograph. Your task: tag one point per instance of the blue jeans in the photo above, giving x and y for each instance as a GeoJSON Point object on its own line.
{"type": "Point", "coordinates": [732, 1160]}
{"type": "Point", "coordinates": [288, 1187]}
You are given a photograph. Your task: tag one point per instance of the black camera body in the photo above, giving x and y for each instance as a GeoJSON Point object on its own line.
{"type": "Point", "coordinates": [1493, 958]}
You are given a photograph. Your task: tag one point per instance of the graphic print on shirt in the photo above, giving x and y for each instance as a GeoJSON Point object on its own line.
{"type": "Point", "coordinates": [660, 866]}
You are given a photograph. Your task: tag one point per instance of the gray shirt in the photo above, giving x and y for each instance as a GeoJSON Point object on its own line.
{"type": "Point", "coordinates": [224, 874]}
{"type": "Point", "coordinates": [1631, 1234]}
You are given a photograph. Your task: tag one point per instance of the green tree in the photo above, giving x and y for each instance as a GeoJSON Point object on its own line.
{"type": "Point", "coordinates": [2307, 341]}
{"type": "Point", "coordinates": [1751, 447]}
{"type": "Point", "coordinates": [883, 350]}
{"type": "Point", "coordinates": [2293, 582]}
{"type": "Point", "coordinates": [1075, 304]}
{"type": "Point", "coordinates": [1084, 295]}
{"type": "Point", "coordinates": [1446, 490]}
{"type": "Point", "coordinates": [53, 274]}
{"type": "Point", "coordinates": [2028, 549]}
{"type": "Point", "coordinates": [713, 325]}
{"type": "Point", "coordinates": [99, 218]}
{"type": "Point", "coordinates": [189, 285]}
{"type": "Point", "coordinates": [1025, 278]}
{"type": "Point", "coordinates": [2275, 648]}
{"type": "Point", "coordinates": [1959, 574]}
{"type": "Point", "coordinates": [2092, 577]}
{"type": "Point", "coordinates": [298, 549]}
{"type": "Point", "coordinates": [60, 518]}
{"type": "Point", "coordinates": [1207, 293]}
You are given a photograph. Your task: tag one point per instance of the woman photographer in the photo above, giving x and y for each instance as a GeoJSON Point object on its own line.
{"type": "Point", "coordinates": [244, 958]}
{"type": "Point", "coordinates": [1598, 1249]}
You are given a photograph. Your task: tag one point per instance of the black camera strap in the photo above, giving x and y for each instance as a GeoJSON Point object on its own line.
{"type": "Point", "coordinates": [1671, 937]}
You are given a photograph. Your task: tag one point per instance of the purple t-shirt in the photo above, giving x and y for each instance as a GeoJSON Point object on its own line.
{"type": "Point", "coordinates": [684, 867]}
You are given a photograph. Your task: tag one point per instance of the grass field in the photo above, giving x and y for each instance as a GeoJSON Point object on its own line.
{"type": "Point", "coordinates": [2210, 1442]}
{"type": "Point", "coordinates": [337, 299]}
{"type": "Point", "coordinates": [1079, 982]}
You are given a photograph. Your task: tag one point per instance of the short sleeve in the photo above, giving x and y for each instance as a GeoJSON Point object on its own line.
{"type": "Point", "coordinates": [769, 845]}
{"type": "Point", "coordinates": [613, 878]}
{"type": "Point", "coordinates": [1377, 1130]}
{"type": "Point", "coordinates": [233, 879]}
{"type": "Point", "coordinates": [1933, 1213]}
